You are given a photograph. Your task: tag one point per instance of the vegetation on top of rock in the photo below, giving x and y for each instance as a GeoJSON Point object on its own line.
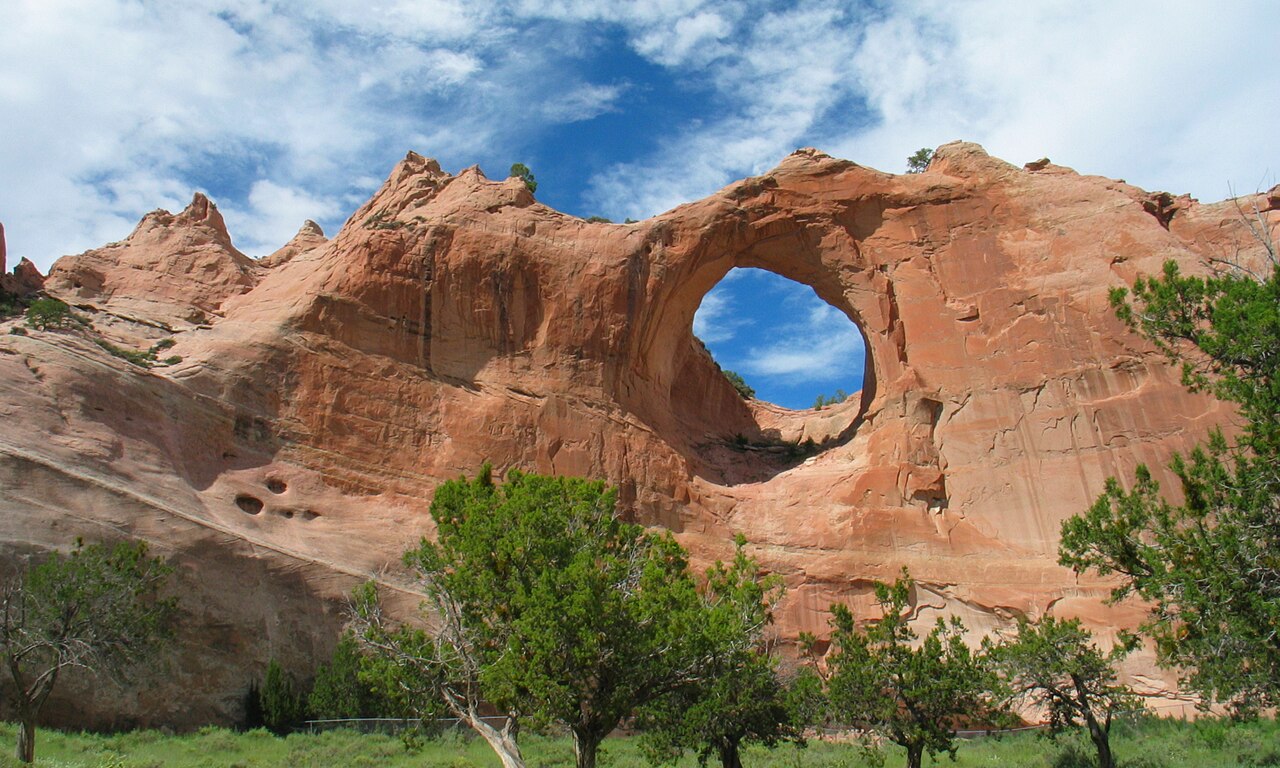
{"type": "Point", "coordinates": [43, 314]}
{"type": "Point", "coordinates": [822, 400]}
{"type": "Point", "coordinates": [522, 172]}
{"type": "Point", "coordinates": [919, 161]}
{"type": "Point", "coordinates": [740, 384]}
{"type": "Point", "coordinates": [383, 220]}
{"type": "Point", "coordinates": [141, 358]}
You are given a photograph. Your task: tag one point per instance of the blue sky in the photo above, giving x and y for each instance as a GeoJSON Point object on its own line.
{"type": "Point", "coordinates": [285, 111]}
{"type": "Point", "coordinates": [797, 349]}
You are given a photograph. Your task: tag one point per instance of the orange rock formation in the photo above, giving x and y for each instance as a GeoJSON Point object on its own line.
{"type": "Point", "coordinates": [325, 391]}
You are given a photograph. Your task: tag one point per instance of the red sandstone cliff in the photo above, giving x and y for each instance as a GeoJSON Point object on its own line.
{"type": "Point", "coordinates": [325, 391]}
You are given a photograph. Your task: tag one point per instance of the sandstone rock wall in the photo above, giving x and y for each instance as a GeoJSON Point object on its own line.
{"type": "Point", "coordinates": [325, 391]}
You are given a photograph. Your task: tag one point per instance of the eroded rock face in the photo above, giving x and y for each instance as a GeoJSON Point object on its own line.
{"type": "Point", "coordinates": [25, 280]}
{"type": "Point", "coordinates": [293, 451]}
{"type": "Point", "coordinates": [173, 269]}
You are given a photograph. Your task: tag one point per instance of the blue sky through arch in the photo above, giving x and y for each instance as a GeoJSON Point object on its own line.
{"type": "Point", "coordinates": [787, 343]}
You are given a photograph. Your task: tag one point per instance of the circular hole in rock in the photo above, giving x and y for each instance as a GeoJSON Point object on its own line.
{"type": "Point", "coordinates": [780, 341]}
{"type": "Point", "coordinates": [309, 515]}
{"type": "Point", "coordinates": [250, 504]}
{"type": "Point", "coordinates": [288, 514]}
{"type": "Point", "coordinates": [276, 485]}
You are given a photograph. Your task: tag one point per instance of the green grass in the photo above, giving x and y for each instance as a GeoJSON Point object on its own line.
{"type": "Point", "coordinates": [1149, 744]}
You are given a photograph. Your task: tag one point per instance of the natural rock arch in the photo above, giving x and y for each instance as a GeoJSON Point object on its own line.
{"type": "Point", "coordinates": [454, 319]}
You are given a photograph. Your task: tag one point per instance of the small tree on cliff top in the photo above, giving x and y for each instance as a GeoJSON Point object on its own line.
{"type": "Point", "coordinates": [919, 161]}
{"type": "Point", "coordinates": [97, 609]}
{"type": "Point", "coordinates": [522, 172]}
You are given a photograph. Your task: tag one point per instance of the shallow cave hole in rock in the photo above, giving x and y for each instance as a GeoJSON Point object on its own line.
{"type": "Point", "coordinates": [799, 362]}
{"type": "Point", "coordinates": [249, 504]}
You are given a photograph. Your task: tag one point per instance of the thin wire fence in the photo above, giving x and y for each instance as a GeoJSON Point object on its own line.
{"type": "Point", "coordinates": [393, 726]}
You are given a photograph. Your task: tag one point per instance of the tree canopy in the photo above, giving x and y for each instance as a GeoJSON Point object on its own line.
{"type": "Point", "coordinates": [97, 609]}
{"type": "Point", "coordinates": [1056, 665]}
{"type": "Point", "coordinates": [1209, 567]}
{"type": "Point", "coordinates": [740, 697]}
{"type": "Point", "coordinates": [912, 694]}
{"type": "Point", "coordinates": [550, 609]}
{"type": "Point", "coordinates": [522, 172]}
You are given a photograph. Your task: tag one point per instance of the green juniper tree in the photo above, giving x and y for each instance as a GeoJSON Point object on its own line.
{"type": "Point", "coordinates": [912, 694]}
{"type": "Point", "coordinates": [43, 314]}
{"type": "Point", "coordinates": [522, 172]}
{"type": "Point", "coordinates": [1209, 568]}
{"type": "Point", "coordinates": [549, 609]}
{"type": "Point", "coordinates": [741, 697]}
{"type": "Point", "coordinates": [919, 161]}
{"type": "Point", "coordinates": [1055, 665]}
{"type": "Point", "coordinates": [281, 705]}
{"type": "Point", "coordinates": [339, 691]}
{"type": "Point", "coordinates": [97, 609]}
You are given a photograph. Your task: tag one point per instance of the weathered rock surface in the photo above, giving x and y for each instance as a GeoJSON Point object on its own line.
{"type": "Point", "coordinates": [324, 392]}
{"type": "Point", "coordinates": [171, 269]}
{"type": "Point", "coordinates": [25, 278]}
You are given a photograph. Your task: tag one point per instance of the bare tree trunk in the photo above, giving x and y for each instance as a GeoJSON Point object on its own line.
{"type": "Point", "coordinates": [1102, 742]}
{"type": "Point", "coordinates": [730, 757]}
{"type": "Point", "coordinates": [915, 755]}
{"type": "Point", "coordinates": [502, 741]}
{"type": "Point", "coordinates": [26, 751]}
{"type": "Point", "coordinates": [585, 747]}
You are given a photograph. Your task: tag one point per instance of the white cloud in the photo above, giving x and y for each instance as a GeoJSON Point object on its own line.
{"type": "Point", "coordinates": [112, 107]}
{"type": "Point", "coordinates": [1182, 100]}
{"type": "Point", "coordinates": [273, 216]}
{"type": "Point", "coordinates": [716, 320]}
{"type": "Point", "coordinates": [582, 103]}
{"type": "Point", "coordinates": [820, 346]}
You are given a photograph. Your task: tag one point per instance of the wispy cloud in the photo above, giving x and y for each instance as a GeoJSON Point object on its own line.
{"type": "Point", "coordinates": [717, 319]}
{"type": "Point", "coordinates": [818, 346]}
{"type": "Point", "coordinates": [799, 347]}
{"type": "Point", "coordinates": [114, 107]}
{"type": "Point", "coordinates": [1177, 100]}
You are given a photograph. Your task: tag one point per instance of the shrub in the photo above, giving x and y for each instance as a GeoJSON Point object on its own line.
{"type": "Point", "coordinates": [44, 314]}
{"type": "Point", "coordinates": [740, 384]}
{"type": "Point", "coordinates": [918, 162]}
{"type": "Point", "coordinates": [281, 706]}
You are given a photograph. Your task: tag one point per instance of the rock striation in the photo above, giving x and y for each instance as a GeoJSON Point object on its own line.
{"type": "Point", "coordinates": [325, 391]}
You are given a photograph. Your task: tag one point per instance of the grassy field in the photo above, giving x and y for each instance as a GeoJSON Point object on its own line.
{"type": "Point", "coordinates": [1149, 744]}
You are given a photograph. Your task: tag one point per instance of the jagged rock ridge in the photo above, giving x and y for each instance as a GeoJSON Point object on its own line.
{"type": "Point", "coordinates": [324, 391]}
